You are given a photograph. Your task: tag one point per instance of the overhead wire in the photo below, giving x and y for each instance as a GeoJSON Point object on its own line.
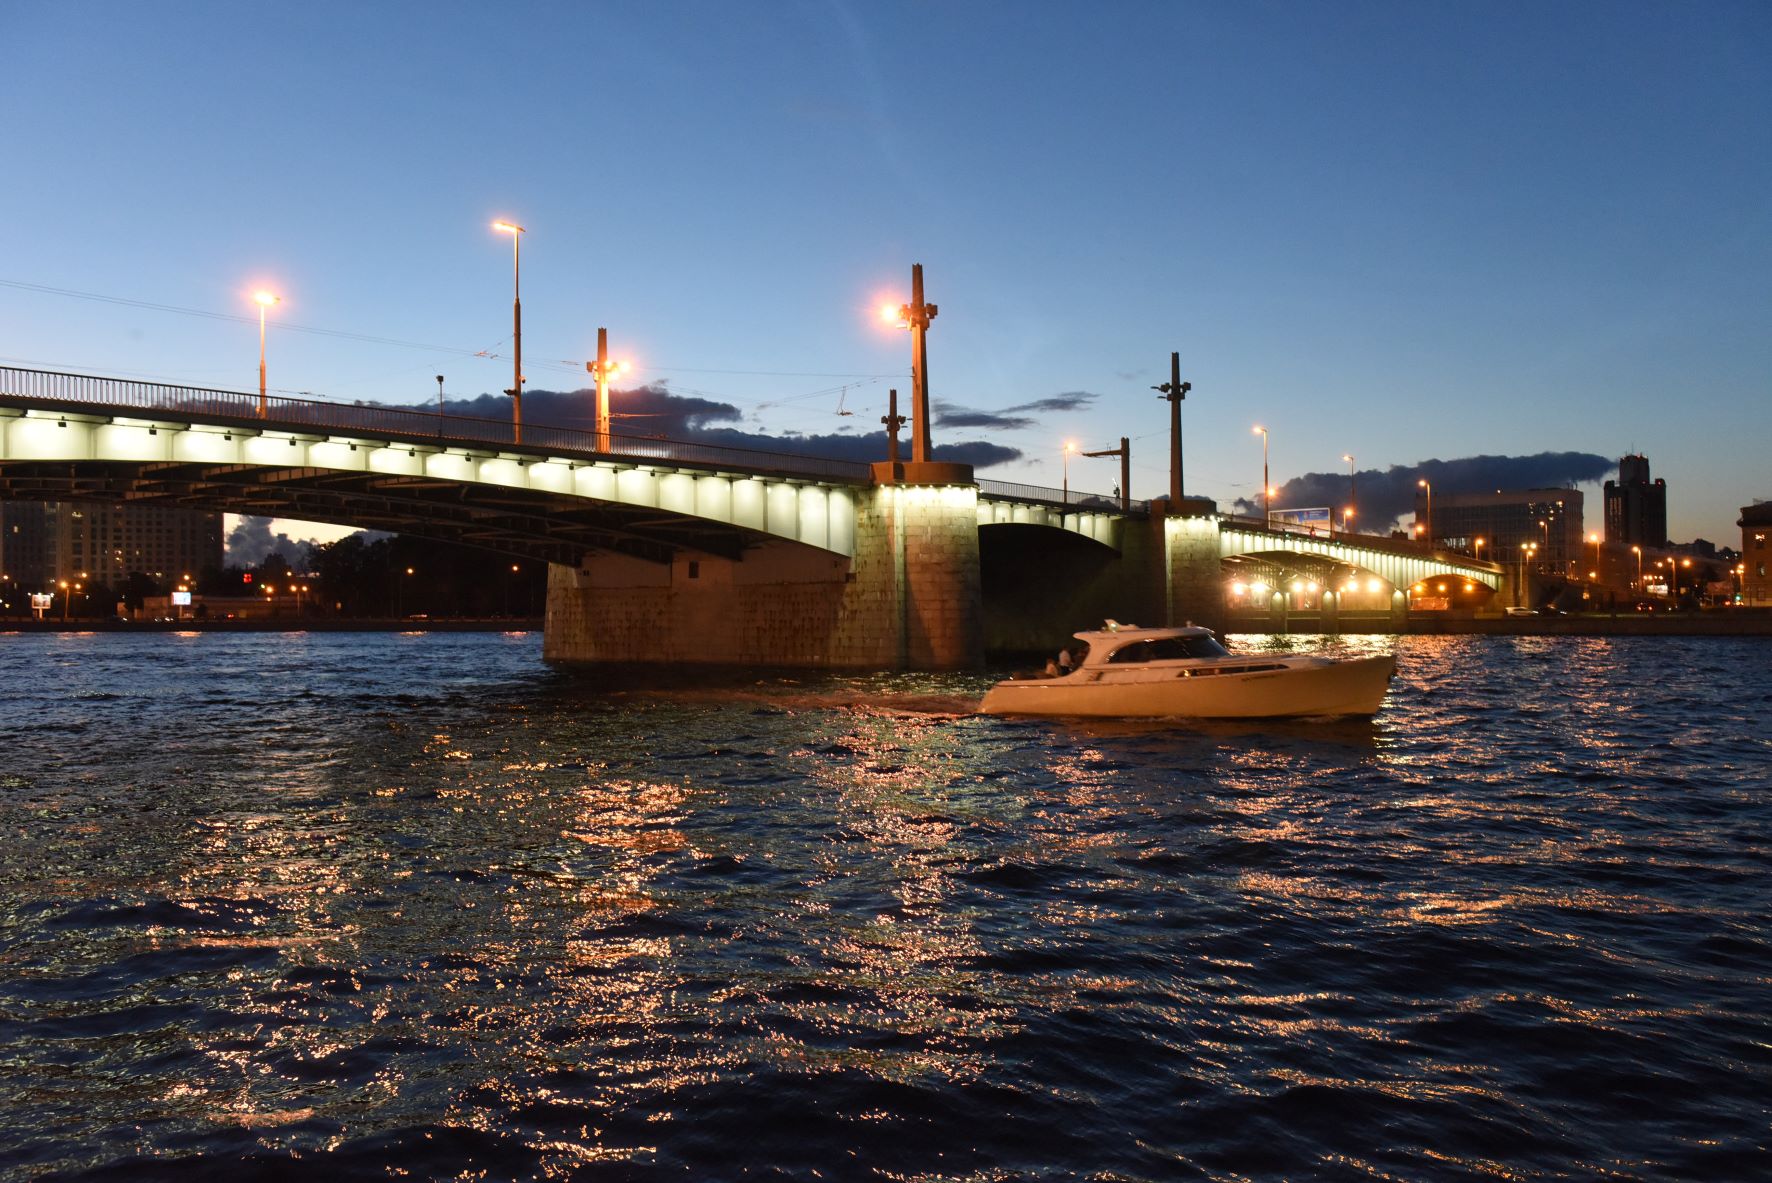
{"type": "Point", "coordinates": [490, 353]}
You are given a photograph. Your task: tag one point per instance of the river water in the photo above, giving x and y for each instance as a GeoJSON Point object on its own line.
{"type": "Point", "coordinates": [337, 906]}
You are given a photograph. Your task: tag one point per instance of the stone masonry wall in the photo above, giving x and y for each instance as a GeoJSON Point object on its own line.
{"type": "Point", "coordinates": [1196, 584]}
{"type": "Point", "coordinates": [909, 598]}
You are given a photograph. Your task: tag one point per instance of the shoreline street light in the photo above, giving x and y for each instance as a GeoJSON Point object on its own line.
{"type": "Point", "coordinates": [1428, 535]}
{"type": "Point", "coordinates": [1478, 544]}
{"type": "Point", "coordinates": [1595, 539]}
{"type": "Point", "coordinates": [1638, 551]}
{"type": "Point", "coordinates": [516, 391]}
{"type": "Point", "coordinates": [602, 370]}
{"type": "Point", "coordinates": [1266, 493]}
{"type": "Point", "coordinates": [1526, 552]}
{"type": "Point", "coordinates": [1069, 447]}
{"type": "Point", "coordinates": [439, 396]}
{"type": "Point", "coordinates": [264, 300]}
{"type": "Point", "coordinates": [1352, 502]}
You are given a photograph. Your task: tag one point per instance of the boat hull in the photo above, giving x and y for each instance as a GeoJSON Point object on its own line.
{"type": "Point", "coordinates": [1329, 688]}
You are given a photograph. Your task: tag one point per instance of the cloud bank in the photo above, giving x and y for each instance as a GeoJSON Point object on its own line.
{"type": "Point", "coordinates": [652, 410]}
{"type": "Point", "coordinates": [1386, 495]}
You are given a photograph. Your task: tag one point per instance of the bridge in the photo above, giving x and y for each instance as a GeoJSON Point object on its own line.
{"type": "Point", "coordinates": [665, 548]}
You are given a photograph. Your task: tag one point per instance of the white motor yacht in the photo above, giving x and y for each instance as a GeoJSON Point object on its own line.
{"type": "Point", "coordinates": [1132, 672]}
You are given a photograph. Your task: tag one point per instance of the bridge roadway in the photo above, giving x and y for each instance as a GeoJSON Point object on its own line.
{"type": "Point", "coordinates": [556, 497]}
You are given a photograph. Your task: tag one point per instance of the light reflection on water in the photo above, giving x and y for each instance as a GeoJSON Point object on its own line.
{"type": "Point", "coordinates": [345, 904]}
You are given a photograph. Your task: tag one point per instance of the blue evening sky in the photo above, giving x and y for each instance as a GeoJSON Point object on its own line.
{"type": "Point", "coordinates": [1401, 230]}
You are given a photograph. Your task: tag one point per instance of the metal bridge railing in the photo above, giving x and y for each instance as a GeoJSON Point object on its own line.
{"type": "Point", "coordinates": [407, 423]}
{"type": "Point", "coordinates": [1402, 547]}
{"type": "Point", "coordinates": [1075, 499]}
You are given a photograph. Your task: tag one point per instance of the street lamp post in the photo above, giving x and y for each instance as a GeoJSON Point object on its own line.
{"type": "Point", "coordinates": [1266, 504]}
{"type": "Point", "coordinates": [1428, 535]}
{"type": "Point", "coordinates": [1673, 567]}
{"type": "Point", "coordinates": [916, 316]}
{"type": "Point", "coordinates": [1526, 552]}
{"type": "Point", "coordinates": [1478, 544]}
{"type": "Point", "coordinates": [1352, 504]}
{"type": "Point", "coordinates": [516, 390]}
{"type": "Point", "coordinates": [1124, 490]}
{"type": "Point", "coordinates": [1174, 391]}
{"type": "Point", "coordinates": [264, 301]}
{"type": "Point", "coordinates": [1638, 551]}
{"type": "Point", "coordinates": [1069, 447]}
{"type": "Point", "coordinates": [602, 370]}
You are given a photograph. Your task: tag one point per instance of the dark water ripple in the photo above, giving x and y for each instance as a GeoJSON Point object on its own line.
{"type": "Point", "coordinates": [416, 906]}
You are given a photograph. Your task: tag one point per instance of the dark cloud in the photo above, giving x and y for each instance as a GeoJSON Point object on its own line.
{"type": "Point", "coordinates": [251, 540]}
{"type": "Point", "coordinates": [1011, 418]}
{"type": "Point", "coordinates": [864, 449]}
{"type": "Point", "coordinates": [1070, 400]}
{"type": "Point", "coordinates": [653, 410]}
{"type": "Point", "coordinates": [1386, 495]}
{"type": "Point", "coordinates": [645, 410]}
{"type": "Point", "coordinates": [956, 417]}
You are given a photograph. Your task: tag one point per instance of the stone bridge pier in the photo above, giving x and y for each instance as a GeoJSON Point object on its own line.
{"type": "Point", "coordinates": [911, 594]}
{"type": "Point", "coordinates": [906, 597]}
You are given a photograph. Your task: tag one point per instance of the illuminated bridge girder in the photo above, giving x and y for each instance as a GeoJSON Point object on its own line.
{"type": "Point", "coordinates": [531, 505]}
{"type": "Point", "coordinates": [1397, 567]}
{"type": "Point", "coordinates": [1096, 525]}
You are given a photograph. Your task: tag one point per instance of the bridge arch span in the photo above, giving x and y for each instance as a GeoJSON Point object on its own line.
{"type": "Point", "coordinates": [1399, 563]}
{"type": "Point", "coordinates": [526, 503]}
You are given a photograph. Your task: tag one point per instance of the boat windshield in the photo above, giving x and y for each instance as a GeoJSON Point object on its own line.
{"type": "Point", "coordinates": [1167, 649]}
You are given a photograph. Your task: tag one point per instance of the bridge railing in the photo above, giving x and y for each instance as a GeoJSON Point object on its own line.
{"type": "Point", "coordinates": [1407, 547]}
{"type": "Point", "coordinates": [407, 423]}
{"type": "Point", "coordinates": [1073, 500]}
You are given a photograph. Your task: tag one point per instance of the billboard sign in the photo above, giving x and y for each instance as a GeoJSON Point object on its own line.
{"type": "Point", "coordinates": [1305, 521]}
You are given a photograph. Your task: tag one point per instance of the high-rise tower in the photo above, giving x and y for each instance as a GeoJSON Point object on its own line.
{"type": "Point", "coordinates": [1636, 507]}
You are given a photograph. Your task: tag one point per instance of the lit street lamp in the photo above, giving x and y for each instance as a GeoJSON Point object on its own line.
{"type": "Point", "coordinates": [602, 370]}
{"type": "Point", "coordinates": [1638, 551]}
{"type": "Point", "coordinates": [1069, 447]}
{"type": "Point", "coordinates": [1478, 544]}
{"type": "Point", "coordinates": [516, 390]}
{"type": "Point", "coordinates": [1428, 535]}
{"type": "Point", "coordinates": [1673, 569]}
{"type": "Point", "coordinates": [264, 301]}
{"type": "Point", "coordinates": [1266, 493]}
{"type": "Point", "coordinates": [916, 316]}
{"type": "Point", "coordinates": [1352, 504]}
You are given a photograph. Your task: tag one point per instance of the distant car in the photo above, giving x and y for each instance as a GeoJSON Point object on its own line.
{"type": "Point", "coordinates": [1522, 612]}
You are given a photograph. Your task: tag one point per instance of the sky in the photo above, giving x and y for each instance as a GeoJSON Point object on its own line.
{"type": "Point", "coordinates": [1406, 232]}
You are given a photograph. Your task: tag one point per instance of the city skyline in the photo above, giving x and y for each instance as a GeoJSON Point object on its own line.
{"type": "Point", "coordinates": [1409, 235]}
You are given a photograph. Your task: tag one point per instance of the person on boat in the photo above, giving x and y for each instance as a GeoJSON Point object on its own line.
{"type": "Point", "coordinates": [1064, 662]}
{"type": "Point", "coordinates": [1051, 668]}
